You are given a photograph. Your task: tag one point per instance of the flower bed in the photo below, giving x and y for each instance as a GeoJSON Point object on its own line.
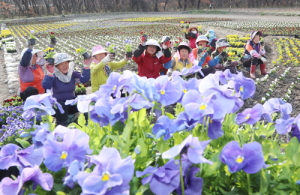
{"type": "Point", "coordinates": [203, 148]}
{"type": "Point", "coordinates": [173, 19]}
{"type": "Point", "coordinates": [282, 28]}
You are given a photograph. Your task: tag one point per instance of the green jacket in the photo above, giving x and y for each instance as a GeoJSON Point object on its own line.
{"type": "Point", "coordinates": [99, 74]}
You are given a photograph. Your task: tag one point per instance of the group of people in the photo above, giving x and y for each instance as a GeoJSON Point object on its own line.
{"type": "Point", "coordinates": [153, 59]}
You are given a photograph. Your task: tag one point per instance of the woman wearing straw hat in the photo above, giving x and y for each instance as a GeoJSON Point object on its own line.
{"type": "Point", "coordinates": [102, 65]}
{"type": "Point", "coordinates": [61, 79]}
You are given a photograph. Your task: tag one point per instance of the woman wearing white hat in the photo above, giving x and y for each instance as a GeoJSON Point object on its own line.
{"type": "Point", "coordinates": [203, 57]}
{"type": "Point", "coordinates": [30, 72]}
{"type": "Point", "coordinates": [61, 79]}
{"type": "Point", "coordinates": [150, 56]}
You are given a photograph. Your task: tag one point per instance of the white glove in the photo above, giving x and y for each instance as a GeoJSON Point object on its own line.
{"type": "Point", "coordinates": [108, 58]}
{"type": "Point", "coordinates": [226, 64]}
{"type": "Point", "coordinates": [263, 59]}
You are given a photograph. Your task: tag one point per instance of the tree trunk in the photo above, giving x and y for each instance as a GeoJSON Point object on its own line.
{"type": "Point", "coordinates": [199, 1]}
{"type": "Point", "coordinates": [179, 4]}
{"type": "Point", "coordinates": [156, 6]}
{"type": "Point", "coordinates": [185, 5]}
{"type": "Point", "coordinates": [165, 5]}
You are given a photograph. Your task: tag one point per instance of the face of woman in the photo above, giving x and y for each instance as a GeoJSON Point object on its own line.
{"type": "Point", "coordinates": [220, 49]}
{"type": "Point", "coordinates": [100, 56]}
{"type": "Point", "coordinates": [63, 67]}
{"type": "Point", "coordinates": [34, 58]}
{"type": "Point", "coordinates": [202, 44]}
{"type": "Point", "coordinates": [151, 49]}
{"type": "Point", "coordinates": [256, 39]}
{"type": "Point", "coordinates": [184, 53]}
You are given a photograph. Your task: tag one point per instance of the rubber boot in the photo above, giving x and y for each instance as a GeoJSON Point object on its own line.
{"type": "Point", "coordinates": [252, 71]}
{"type": "Point", "coordinates": [263, 69]}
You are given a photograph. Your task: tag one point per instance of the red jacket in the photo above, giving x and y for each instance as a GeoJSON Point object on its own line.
{"type": "Point", "coordinates": [149, 66]}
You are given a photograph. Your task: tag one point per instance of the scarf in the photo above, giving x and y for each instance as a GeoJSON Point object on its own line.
{"type": "Point", "coordinates": [65, 78]}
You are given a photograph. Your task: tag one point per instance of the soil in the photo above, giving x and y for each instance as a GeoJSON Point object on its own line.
{"type": "Point", "coordinates": [3, 80]}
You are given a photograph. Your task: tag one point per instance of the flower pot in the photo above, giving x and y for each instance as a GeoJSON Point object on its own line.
{"type": "Point", "coordinates": [51, 61]}
{"type": "Point", "coordinates": [129, 54]}
{"type": "Point", "coordinates": [80, 93]}
{"type": "Point", "coordinates": [113, 54]}
{"type": "Point", "coordinates": [53, 40]}
{"type": "Point", "coordinates": [146, 36]}
{"type": "Point", "coordinates": [32, 41]}
{"type": "Point", "coordinates": [86, 55]}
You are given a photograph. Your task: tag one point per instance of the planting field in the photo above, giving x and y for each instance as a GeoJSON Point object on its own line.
{"type": "Point", "coordinates": [223, 134]}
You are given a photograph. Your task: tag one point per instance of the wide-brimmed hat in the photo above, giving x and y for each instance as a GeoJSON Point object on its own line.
{"type": "Point", "coordinates": [34, 51]}
{"type": "Point", "coordinates": [98, 49]}
{"type": "Point", "coordinates": [60, 58]}
{"type": "Point", "coordinates": [155, 43]}
{"type": "Point", "coordinates": [202, 38]}
{"type": "Point", "coordinates": [196, 27]}
{"type": "Point", "coordinates": [210, 33]}
{"type": "Point", "coordinates": [185, 46]}
{"type": "Point", "coordinates": [222, 43]}
{"type": "Point", "coordinates": [253, 33]}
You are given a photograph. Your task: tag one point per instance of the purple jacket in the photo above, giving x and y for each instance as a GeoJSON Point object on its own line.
{"type": "Point", "coordinates": [65, 91]}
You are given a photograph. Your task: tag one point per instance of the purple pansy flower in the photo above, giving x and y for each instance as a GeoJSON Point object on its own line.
{"type": "Point", "coordinates": [110, 176]}
{"type": "Point", "coordinates": [250, 158]}
{"type": "Point", "coordinates": [168, 92]}
{"type": "Point", "coordinates": [15, 187]}
{"type": "Point", "coordinates": [74, 168]}
{"type": "Point", "coordinates": [214, 130]}
{"type": "Point", "coordinates": [278, 105]}
{"type": "Point", "coordinates": [187, 85]}
{"type": "Point", "coordinates": [250, 115]}
{"type": "Point", "coordinates": [42, 103]}
{"type": "Point", "coordinates": [284, 126]}
{"type": "Point", "coordinates": [110, 87]}
{"type": "Point", "coordinates": [192, 148]}
{"type": "Point", "coordinates": [74, 146]}
{"type": "Point", "coordinates": [196, 106]}
{"type": "Point", "coordinates": [164, 127]}
{"type": "Point", "coordinates": [185, 122]}
{"type": "Point", "coordinates": [192, 184]}
{"type": "Point", "coordinates": [12, 155]}
{"type": "Point", "coordinates": [163, 180]}
{"type": "Point", "coordinates": [244, 87]}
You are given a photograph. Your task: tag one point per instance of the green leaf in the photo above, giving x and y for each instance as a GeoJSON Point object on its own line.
{"type": "Point", "coordinates": [177, 139]}
{"type": "Point", "coordinates": [171, 116]}
{"type": "Point", "coordinates": [142, 116]}
{"type": "Point", "coordinates": [127, 131]}
{"type": "Point", "coordinates": [263, 182]}
{"type": "Point", "coordinates": [24, 144]}
{"type": "Point", "coordinates": [143, 146]}
{"type": "Point", "coordinates": [292, 148]}
{"type": "Point", "coordinates": [162, 146]}
{"type": "Point", "coordinates": [81, 120]}
{"type": "Point", "coordinates": [117, 139]}
{"type": "Point", "coordinates": [60, 193]}
{"type": "Point", "coordinates": [296, 159]}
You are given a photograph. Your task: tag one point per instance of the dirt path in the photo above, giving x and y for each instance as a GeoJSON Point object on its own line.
{"type": "Point", "coordinates": [4, 94]}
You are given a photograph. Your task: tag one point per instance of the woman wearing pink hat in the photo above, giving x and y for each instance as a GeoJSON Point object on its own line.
{"type": "Point", "coordinates": [102, 65]}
